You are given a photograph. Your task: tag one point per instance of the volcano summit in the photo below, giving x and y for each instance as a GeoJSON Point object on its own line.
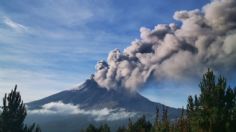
{"type": "Point", "coordinates": [90, 96]}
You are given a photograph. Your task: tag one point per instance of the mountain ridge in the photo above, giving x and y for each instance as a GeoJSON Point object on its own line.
{"type": "Point", "coordinates": [90, 95]}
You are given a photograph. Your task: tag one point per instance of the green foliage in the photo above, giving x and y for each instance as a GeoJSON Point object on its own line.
{"type": "Point", "coordinates": [163, 124]}
{"type": "Point", "coordinates": [13, 114]}
{"type": "Point", "coordinates": [214, 109]}
{"type": "Point", "coordinates": [182, 124]}
{"type": "Point", "coordinates": [121, 129]}
{"type": "Point", "coordinates": [157, 123]}
{"type": "Point", "coordinates": [91, 128]}
{"type": "Point", "coordinates": [140, 125]}
{"type": "Point", "coordinates": [102, 128]}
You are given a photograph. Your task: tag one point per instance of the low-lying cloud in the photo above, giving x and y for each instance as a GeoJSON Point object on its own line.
{"type": "Point", "coordinates": [205, 39]}
{"type": "Point", "coordinates": [70, 109]}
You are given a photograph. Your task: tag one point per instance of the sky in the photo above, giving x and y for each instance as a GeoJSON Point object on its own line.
{"type": "Point", "coordinates": [47, 46]}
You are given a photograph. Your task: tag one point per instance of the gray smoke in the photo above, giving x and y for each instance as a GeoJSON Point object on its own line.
{"type": "Point", "coordinates": [206, 38]}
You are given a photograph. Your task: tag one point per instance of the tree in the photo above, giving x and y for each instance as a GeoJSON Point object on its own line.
{"type": "Point", "coordinates": [1, 123]}
{"type": "Point", "coordinates": [14, 113]}
{"type": "Point", "coordinates": [121, 129]}
{"type": "Point", "coordinates": [165, 127]}
{"type": "Point", "coordinates": [130, 126]}
{"type": "Point", "coordinates": [104, 128]}
{"type": "Point", "coordinates": [156, 125]}
{"type": "Point", "coordinates": [213, 110]}
{"type": "Point", "coordinates": [182, 123]}
{"type": "Point", "coordinates": [91, 128]}
{"type": "Point", "coordinates": [142, 125]}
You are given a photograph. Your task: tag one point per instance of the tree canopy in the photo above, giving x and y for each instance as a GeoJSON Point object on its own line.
{"type": "Point", "coordinates": [13, 114]}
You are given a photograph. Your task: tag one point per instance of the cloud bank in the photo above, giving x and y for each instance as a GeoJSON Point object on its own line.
{"type": "Point", "coordinates": [205, 39]}
{"type": "Point", "coordinates": [70, 109]}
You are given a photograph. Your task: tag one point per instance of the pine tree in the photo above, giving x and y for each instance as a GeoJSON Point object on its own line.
{"type": "Point", "coordinates": [156, 125]}
{"type": "Point", "coordinates": [130, 126]}
{"type": "Point", "coordinates": [104, 128]}
{"type": "Point", "coordinates": [213, 110]}
{"type": "Point", "coordinates": [165, 122]}
{"type": "Point", "coordinates": [121, 129]}
{"type": "Point", "coordinates": [1, 123]}
{"type": "Point", "coordinates": [14, 113]}
{"type": "Point", "coordinates": [190, 105]}
{"type": "Point", "coordinates": [91, 128]}
{"type": "Point", "coordinates": [142, 125]}
{"type": "Point", "coordinates": [182, 124]}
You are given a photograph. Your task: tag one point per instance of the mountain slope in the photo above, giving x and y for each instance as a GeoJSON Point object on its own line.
{"type": "Point", "coordinates": [91, 96]}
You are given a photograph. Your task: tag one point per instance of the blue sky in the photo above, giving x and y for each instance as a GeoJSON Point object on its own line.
{"type": "Point", "coordinates": [51, 45]}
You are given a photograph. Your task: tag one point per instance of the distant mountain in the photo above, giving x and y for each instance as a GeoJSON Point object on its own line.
{"type": "Point", "coordinates": [90, 95]}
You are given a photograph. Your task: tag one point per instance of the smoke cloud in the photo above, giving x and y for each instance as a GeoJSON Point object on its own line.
{"type": "Point", "coordinates": [205, 38]}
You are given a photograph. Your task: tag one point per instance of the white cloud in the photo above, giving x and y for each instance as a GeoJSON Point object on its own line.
{"type": "Point", "coordinates": [68, 109]}
{"type": "Point", "coordinates": [57, 108]}
{"type": "Point", "coordinates": [14, 25]}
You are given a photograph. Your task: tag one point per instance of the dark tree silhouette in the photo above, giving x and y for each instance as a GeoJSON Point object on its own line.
{"type": "Point", "coordinates": [91, 128]}
{"type": "Point", "coordinates": [121, 129]}
{"type": "Point", "coordinates": [165, 125]}
{"type": "Point", "coordinates": [214, 109]}
{"type": "Point", "coordinates": [104, 128]}
{"type": "Point", "coordinates": [156, 125]}
{"type": "Point", "coordinates": [14, 113]}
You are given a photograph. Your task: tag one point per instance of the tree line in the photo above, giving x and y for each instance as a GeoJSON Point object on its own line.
{"type": "Point", "coordinates": [213, 110]}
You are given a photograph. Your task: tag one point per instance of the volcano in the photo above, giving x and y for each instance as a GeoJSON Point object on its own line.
{"type": "Point", "coordinates": [91, 96]}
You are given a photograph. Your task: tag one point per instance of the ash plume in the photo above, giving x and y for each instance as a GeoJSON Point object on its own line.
{"type": "Point", "coordinates": [205, 38]}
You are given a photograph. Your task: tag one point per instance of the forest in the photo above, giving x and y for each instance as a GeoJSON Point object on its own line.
{"type": "Point", "coordinates": [213, 110]}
